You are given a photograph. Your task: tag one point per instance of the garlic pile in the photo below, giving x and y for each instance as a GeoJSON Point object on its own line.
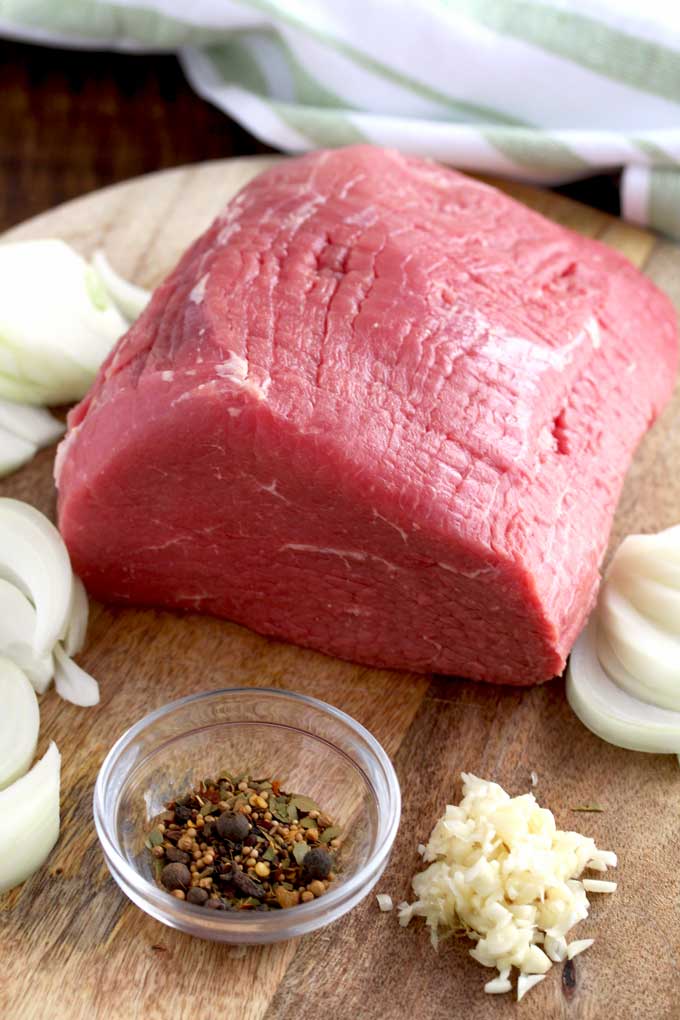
{"type": "Point", "coordinates": [500, 870]}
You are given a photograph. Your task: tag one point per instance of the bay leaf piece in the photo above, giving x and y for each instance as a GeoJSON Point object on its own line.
{"type": "Point", "coordinates": [300, 851]}
{"type": "Point", "coordinates": [328, 834]}
{"type": "Point", "coordinates": [279, 808]}
{"type": "Point", "coordinates": [305, 804]}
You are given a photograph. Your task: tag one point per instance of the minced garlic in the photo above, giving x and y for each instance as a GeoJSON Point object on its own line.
{"type": "Point", "coordinates": [500, 870]}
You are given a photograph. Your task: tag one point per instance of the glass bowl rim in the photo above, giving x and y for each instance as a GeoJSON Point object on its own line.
{"type": "Point", "coordinates": [307, 916]}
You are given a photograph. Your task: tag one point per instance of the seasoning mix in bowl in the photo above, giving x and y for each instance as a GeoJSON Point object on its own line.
{"type": "Point", "coordinates": [247, 815]}
{"type": "Point", "coordinates": [237, 843]}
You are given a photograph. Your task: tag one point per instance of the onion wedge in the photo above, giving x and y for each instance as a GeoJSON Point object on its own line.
{"type": "Point", "coordinates": [32, 423]}
{"type": "Point", "coordinates": [19, 723]}
{"type": "Point", "coordinates": [14, 452]}
{"type": "Point", "coordinates": [130, 299]}
{"type": "Point", "coordinates": [30, 820]}
{"type": "Point", "coordinates": [17, 626]}
{"type": "Point", "coordinates": [73, 683]}
{"type": "Point", "coordinates": [611, 712]}
{"type": "Point", "coordinates": [76, 630]}
{"type": "Point", "coordinates": [56, 322]}
{"type": "Point", "coordinates": [34, 557]}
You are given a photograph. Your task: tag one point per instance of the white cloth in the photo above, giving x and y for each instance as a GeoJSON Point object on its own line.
{"type": "Point", "coordinates": [543, 90]}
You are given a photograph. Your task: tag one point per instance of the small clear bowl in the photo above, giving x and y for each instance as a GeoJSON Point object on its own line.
{"type": "Point", "coordinates": [314, 749]}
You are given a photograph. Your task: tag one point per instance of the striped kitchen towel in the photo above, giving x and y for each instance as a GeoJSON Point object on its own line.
{"type": "Point", "coordinates": [543, 90]}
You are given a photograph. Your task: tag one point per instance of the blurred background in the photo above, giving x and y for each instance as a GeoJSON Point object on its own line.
{"type": "Point", "coordinates": [581, 95]}
{"type": "Point", "coordinates": [75, 120]}
{"type": "Point", "coordinates": [72, 121]}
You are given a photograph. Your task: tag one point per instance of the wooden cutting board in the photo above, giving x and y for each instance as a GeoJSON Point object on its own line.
{"type": "Point", "coordinates": [73, 946]}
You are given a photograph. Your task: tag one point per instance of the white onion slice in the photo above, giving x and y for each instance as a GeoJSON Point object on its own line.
{"type": "Point", "coordinates": [17, 626]}
{"type": "Point", "coordinates": [130, 299]}
{"type": "Point", "coordinates": [23, 429]}
{"type": "Point", "coordinates": [34, 557]}
{"type": "Point", "coordinates": [32, 423]}
{"type": "Point", "coordinates": [14, 452]}
{"type": "Point", "coordinates": [652, 598]}
{"type": "Point", "coordinates": [29, 809]}
{"type": "Point", "coordinates": [653, 689]}
{"type": "Point", "coordinates": [645, 648]}
{"type": "Point", "coordinates": [73, 683]}
{"type": "Point", "coordinates": [76, 629]}
{"type": "Point", "coordinates": [611, 712]}
{"type": "Point", "coordinates": [56, 322]}
{"type": "Point", "coordinates": [19, 723]}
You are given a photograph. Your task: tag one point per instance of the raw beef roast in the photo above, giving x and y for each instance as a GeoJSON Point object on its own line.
{"type": "Point", "coordinates": [378, 409]}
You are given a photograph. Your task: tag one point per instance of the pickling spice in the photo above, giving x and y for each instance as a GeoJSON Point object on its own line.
{"type": "Point", "coordinates": [236, 843]}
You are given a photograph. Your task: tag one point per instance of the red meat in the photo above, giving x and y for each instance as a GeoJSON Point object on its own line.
{"type": "Point", "coordinates": [378, 409]}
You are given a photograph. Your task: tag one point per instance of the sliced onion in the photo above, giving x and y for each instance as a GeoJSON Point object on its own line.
{"type": "Point", "coordinates": [130, 299]}
{"type": "Point", "coordinates": [647, 687]}
{"type": "Point", "coordinates": [60, 379]}
{"type": "Point", "coordinates": [649, 653]}
{"type": "Point", "coordinates": [76, 629]}
{"type": "Point", "coordinates": [656, 556]}
{"type": "Point", "coordinates": [652, 598]}
{"type": "Point", "coordinates": [21, 391]}
{"type": "Point", "coordinates": [23, 429]}
{"type": "Point", "coordinates": [73, 683]}
{"type": "Point", "coordinates": [17, 626]}
{"type": "Point", "coordinates": [19, 723]}
{"type": "Point", "coordinates": [14, 452]}
{"type": "Point", "coordinates": [639, 618]}
{"type": "Point", "coordinates": [33, 556]}
{"type": "Point", "coordinates": [56, 322]}
{"type": "Point", "coordinates": [611, 712]}
{"type": "Point", "coordinates": [29, 809]}
{"type": "Point", "coordinates": [32, 423]}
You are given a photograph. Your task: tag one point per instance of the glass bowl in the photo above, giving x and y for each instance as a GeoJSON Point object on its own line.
{"type": "Point", "coordinates": [313, 748]}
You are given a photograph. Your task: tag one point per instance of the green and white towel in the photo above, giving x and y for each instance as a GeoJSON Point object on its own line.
{"type": "Point", "coordinates": [542, 90]}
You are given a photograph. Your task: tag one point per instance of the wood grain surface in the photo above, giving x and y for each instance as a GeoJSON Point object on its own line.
{"type": "Point", "coordinates": [74, 948]}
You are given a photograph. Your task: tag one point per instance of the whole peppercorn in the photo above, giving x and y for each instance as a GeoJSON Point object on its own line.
{"type": "Point", "coordinates": [235, 828]}
{"type": "Point", "coordinates": [182, 813]}
{"type": "Point", "coordinates": [176, 856]}
{"type": "Point", "coordinates": [175, 876]}
{"type": "Point", "coordinates": [197, 896]}
{"type": "Point", "coordinates": [317, 864]}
